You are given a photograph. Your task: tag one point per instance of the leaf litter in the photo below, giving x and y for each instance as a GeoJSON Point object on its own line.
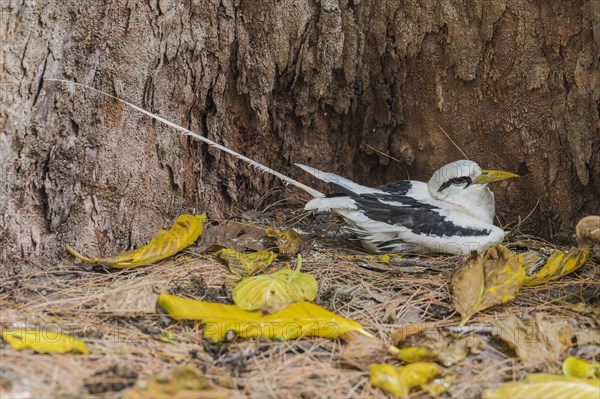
{"type": "Point", "coordinates": [352, 285]}
{"type": "Point", "coordinates": [273, 292]}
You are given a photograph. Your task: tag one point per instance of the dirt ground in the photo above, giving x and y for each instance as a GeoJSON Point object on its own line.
{"type": "Point", "coordinates": [114, 313]}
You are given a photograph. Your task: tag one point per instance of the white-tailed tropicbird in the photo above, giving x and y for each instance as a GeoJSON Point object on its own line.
{"type": "Point", "coordinates": [452, 213]}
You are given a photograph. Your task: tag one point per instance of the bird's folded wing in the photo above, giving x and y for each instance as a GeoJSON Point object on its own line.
{"type": "Point", "coordinates": [420, 216]}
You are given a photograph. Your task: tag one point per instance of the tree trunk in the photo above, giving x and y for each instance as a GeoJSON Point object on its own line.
{"type": "Point", "coordinates": [359, 88]}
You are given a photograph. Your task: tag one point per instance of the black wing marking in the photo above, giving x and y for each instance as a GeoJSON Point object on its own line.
{"type": "Point", "coordinates": [399, 187]}
{"type": "Point", "coordinates": [419, 217]}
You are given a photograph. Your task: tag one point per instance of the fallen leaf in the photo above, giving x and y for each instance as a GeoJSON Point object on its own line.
{"type": "Point", "coordinates": [43, 341]}
{"type": "Point", "coordinates": [300, 319]}
{"type": "Point", "coordinates": [238, 236]}
{"type": "Point", "coordinates": [578, 368]}
{"type": "Point", "coordinates": [535, 339]}
{"type": "Point", "coordinates": [273, 292]}
{"type": "Point", "coordinates": [440, 349]}
{"type": "Point", "coordinates": [487, 280]}
{"type": "Point", "coordinates": [244, 265]}
{"type": "Point", "coordinates": [184, 382]}
{"type": "Point", "coordinates": [558, 265]}
{"type": "Point", "coordinates": [414, 354]}
{"type": "Point", "coordinates": [184, 232]}
{"type": "Point", "coordinates": [399, 380]}
{"type": "Point", "coordinates": [386, 377]}
{"type": "Point", "coordinates": [288, 242]}
{"type": "Point", "coordinates": [456, 351]}
{"type": "Point", "coordinates": [546, 386]}
{"type": "Point", "coordinates": [406, 331]}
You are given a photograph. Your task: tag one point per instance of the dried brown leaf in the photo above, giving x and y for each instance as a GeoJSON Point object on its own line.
{"type": "Point", "coordinates": [535, 339]}
{"type": "Point", "coordinates": [487, 280]}
{"type": "Point", "coordinates": [235, 235]}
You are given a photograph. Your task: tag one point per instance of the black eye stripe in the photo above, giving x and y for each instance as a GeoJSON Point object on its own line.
{"type": "Point", "coordinates": [456, 180]}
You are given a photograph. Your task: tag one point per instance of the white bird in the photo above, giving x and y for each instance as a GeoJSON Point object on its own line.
{"type": "Point", "coordinates": [452, 213]}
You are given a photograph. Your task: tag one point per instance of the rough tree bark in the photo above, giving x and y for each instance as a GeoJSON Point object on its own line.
{"type": "Point", "coordinates": [515, 83]}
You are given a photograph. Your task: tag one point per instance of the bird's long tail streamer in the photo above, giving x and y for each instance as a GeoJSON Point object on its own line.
{"type": "Point", "coordinates": [287, 180]}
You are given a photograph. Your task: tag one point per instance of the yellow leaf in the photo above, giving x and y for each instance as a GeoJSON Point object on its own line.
{"type": "Point", "coordinates": [435, 346]}
{"type": "Point", "coordinates": [273, 292]}
{"type": "Point", "coordinates": [385, 377]}
{"type": "Point", "coordinates": [577, 368]}
{"type": "Point", "coordinates": [244, 265]}
{"type": "Point", "coordinates": [184, 232]}
{"type": "Point", "coordinates": [399, 380]}
{"type": "Point", "coordinates": [288, 242]}
{"type": "Point", "coordinates": [415, 354]}
{"type": "Point", "coordinates": [487, 280]}
{"type": "Point", "coordinates": [558, 265]}
{"type": "Point", "coordinates": [301, 319]}
{"type": "Point", "coordinates": [43, 341]}
{"type": "Point", "coordinates": [546, 386]}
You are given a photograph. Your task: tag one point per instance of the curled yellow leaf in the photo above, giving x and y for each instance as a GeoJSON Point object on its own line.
{"type": "Point", "coordinates": [546, 386]}
{"type": "Point", "coordinates": [415, 354]}
{"type": "Point", "coordinates": [558, 265]}
{"type": "Point", "coordinates": [273, 292]}
{"type": "Point", "coordinates": [301, 319]}
{"type": "Point", "coordinates": [578, 368]}
{"type": "Point", "coordinates": [43, 341]}
{"type": "Point", "coordinates": [399, 380]}
{"type": "Point", "coordinates": [184, 232]}
{"type": "Point", "coordinates": [487, 280]}
{"type": "Point", "coordinates": [447, 354]}
{"type": "Point", "coordinates": [385, 377]}
{"type": "Point", "coordinates": [288, 242]}
{"type": "Point", "coordinates": [244, 265]}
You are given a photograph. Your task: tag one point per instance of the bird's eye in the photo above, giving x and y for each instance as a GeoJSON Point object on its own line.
{"type": "Point", "coordinates": [456, 181]}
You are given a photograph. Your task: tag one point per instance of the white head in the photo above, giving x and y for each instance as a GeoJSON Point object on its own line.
{"type": "Point", "coordinates": [463, 183]}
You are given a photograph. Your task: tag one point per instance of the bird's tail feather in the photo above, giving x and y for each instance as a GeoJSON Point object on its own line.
{"type": "Point", "coordinates": [345, 185]}
{"type": "Point", "coordinates": [251, 162]}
